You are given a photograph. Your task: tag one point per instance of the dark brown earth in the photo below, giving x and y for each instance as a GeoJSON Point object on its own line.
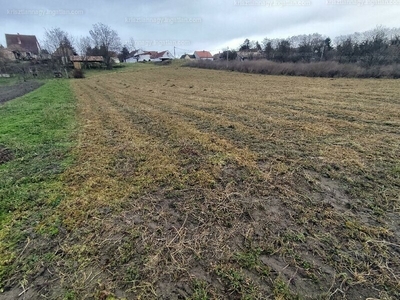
{"type": "Point", "coordinates": [5, 154]}
{"type": "Point", "coordinates": [9, 92]}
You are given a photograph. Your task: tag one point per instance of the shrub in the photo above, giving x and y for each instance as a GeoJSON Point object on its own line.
{"type": "Point", "coordinates": [313, 69]}
{"type": "Point", "coordinates": [78, 73]}
{"type": "Point", "coordinates": [163, 62]}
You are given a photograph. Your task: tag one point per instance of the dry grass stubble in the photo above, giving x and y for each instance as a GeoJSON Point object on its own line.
{"type": "Point", "coordinates": [197, 183]}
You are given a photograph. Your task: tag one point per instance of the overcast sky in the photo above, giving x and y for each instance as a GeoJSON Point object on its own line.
{"type": "Point", "coordinates": [198, 25]}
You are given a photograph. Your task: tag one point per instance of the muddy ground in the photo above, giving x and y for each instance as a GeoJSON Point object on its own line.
{"type": "Point", "coordinates": [9, 92]}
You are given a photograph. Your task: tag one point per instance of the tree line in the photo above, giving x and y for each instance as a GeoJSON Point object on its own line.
{"type": "Point", "coordinates": [101, 41]}
{"type": "Point", "coordinates": [380, 46]}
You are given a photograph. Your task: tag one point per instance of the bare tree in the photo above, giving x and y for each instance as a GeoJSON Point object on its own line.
{"type": "Point", "coordinates": [59, 41]}
{"type": "Point", "coordinates": [55, 37]}
{"type": "Point", "coordinates": [83, 44]}
{"type": "Point", "coordinates": [105, 38]}
{"type": "Point", "coordinates": [131, 44]}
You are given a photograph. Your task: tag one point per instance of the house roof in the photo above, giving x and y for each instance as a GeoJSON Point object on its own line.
{"type": "Point", "coordinates": [22, 43]}
{"type": "Point", "coordinates": [87, 58]}
{"type": "Point", "coordinates": [162, 53]}
{"type": "Point", "coordinates": [132, 53]}
{"type": "Point", "coordinates": [159, 54]}
{"type": "Point", "coordinates": [203, 54]}
{"type": "Point", "coordinates": [189, 55]}
{"type": "Point", "coordinates": [152, 53]}
{"type": "Point", "coordinates": [138, 52]}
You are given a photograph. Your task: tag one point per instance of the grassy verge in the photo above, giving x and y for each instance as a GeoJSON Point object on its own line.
{"type": "Point", "coordinates": [35, 138]}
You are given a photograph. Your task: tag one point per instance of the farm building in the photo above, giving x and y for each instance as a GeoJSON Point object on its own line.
{"type": "Point", "coordinates": [86, 58]}
{"type": "Point", "coordinates": [89, 60]}
{"type": "Point", "coordinates": [63, 54]}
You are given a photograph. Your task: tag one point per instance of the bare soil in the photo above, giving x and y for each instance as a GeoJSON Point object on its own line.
{"type": "Point", "coordinates": [5, 154]}
{"type": "Point", "coordinates": [9, 92]}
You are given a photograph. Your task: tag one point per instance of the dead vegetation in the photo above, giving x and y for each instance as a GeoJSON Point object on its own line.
{"type": "Point", "coordinates": [330, 69]}
{"type": "Point", "coordinates": [198, 184]}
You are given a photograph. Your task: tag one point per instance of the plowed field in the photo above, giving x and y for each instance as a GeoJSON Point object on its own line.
{"type": "Point", "coordinates": [201, 184]}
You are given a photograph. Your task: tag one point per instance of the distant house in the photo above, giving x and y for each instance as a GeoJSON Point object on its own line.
{"type": "Point", "coordinates": [143, 56]}
{"type": "Point", "coordinates": [23, 46]}
{"type": "Point", "coordinates": [45, 55]}
{"type": "Point", "coordinates": [6, 54]}
{"type": "Point", "coordinates": [242, 57]}
{"type": "Point", "coordinates": [140, 56]}
{"type": "Point", "coordinates": [188, 56]}
{"type": "Point", "coordinates": [131, 58]}
{"type": "Point", "coordinates": [249, 55]}
{"type": "Point", "coordinates": [63, 54]}
{"type": "Point", "coordinates": [161, 56]}
{"type": "Point", "coordinates": [203, 55]}
{"type": "Point", "coordinates": [217, 56]}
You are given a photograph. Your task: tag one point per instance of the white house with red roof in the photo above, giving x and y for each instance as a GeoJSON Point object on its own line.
{"type": "Point", "coordinates": [143, 56]}
{"type": "Point", "coordinates": [140, 56]}
{"type": "Point", "coordinates": [203, 55]}
{"type": "Point", "coordinates": [161, 56]}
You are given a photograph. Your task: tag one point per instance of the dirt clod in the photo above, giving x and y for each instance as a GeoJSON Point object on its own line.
{"type": "Point", "coordinates": [5, 155]}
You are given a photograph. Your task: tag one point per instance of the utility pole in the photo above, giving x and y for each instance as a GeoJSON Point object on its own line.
{"type": "Point", "coordinates": [227, 51]}
{"type": "Point", "coordinates": [174, 52]}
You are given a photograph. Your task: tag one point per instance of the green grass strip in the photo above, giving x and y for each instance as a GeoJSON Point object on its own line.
{"type": "Point", "coordinates": [37, 131]}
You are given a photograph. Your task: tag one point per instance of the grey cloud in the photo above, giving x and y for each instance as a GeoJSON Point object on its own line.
{"type": "Point", "coordinates": [221, 21]}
